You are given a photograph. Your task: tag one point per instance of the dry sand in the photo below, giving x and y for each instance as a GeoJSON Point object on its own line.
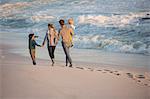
{"type": "Point", "coordinates": [21, 80]}
{"type": "Point", "coordinates": [0, 82]}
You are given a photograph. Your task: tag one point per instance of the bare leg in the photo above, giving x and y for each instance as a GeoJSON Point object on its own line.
{"type": "Point", "coordinates": [32, 53]}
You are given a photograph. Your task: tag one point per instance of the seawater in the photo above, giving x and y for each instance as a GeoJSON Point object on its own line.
{"type": "Point", "coordinates": [109, 25]}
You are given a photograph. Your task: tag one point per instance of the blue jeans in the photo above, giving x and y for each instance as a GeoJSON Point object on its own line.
{"type": "Point", "coordinates": [66, 50]}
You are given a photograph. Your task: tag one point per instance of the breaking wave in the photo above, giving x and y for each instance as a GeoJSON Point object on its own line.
{"type": "Point", "coordinates": [111, 44]}
{"type": "Point", "coordinates": [113, 20]}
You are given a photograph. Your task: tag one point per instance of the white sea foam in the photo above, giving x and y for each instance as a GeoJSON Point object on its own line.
{"type": "Point", "coordinates": [43, 17]}
{"type": "Point", "coordinates": [111, 21]}
{"type": "Point", "coordinates": [9, 9]}
{"type": "Point", "coordinates": [110, 44]}
{"type": "Point", "coordinates": [14, 5]}
{"type": "Point", "coordinates": [42, 1]}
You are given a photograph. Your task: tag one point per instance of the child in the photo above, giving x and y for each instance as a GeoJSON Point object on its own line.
{"type": "Point", "coordinates": [32, 46]}
{"type": "Point", "coordinates": [71, 25]}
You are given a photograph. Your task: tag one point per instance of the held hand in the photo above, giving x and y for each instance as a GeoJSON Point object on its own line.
{"type": "Point", "coordinates": [42, 45]}
{"type": "Point", "coordinates": [56, 43]}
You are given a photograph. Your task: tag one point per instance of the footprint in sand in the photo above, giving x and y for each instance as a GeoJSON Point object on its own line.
{"type": "Point", "coordinates": [140, 79]}
{"type": "Point", "coordinates": [129, 75]}
{"type": "Point", "coordinates": [145, 84]}
{"type": "Point", "coordinates": [80, 68]}
{"type": "Point", "coordinates": [111, 72]}
{"type": "Point", "coordinates": [114, 72]}
{"type": "Point", "coordinates": [106, 70]}
{"type": "Point", "coordinates": [99, 70]}
{"type": "Point", "coordinates": [91, 69]}
{"type": "Point", "coordinates": [140, 76]}
{"type": "Point", "coordinates": [103, 71]}
{"type": "Point", "coordinates": [117, 74]}
{"type": "Point", "coordinates": [142, 83]}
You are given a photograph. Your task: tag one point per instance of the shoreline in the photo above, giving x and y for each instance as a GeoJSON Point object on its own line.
{"type": "Point", "coordinates": [82, 63]}
{"type": "Point", "coordinates": [78, 55]}
{"type": "Point", "coordinates": [44, 81]}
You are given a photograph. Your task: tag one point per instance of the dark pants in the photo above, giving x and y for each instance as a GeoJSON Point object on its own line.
{"type": "Point", "coordinates": [66, 50]}
{"type": "Point", "coordinates": [51, 50]}
{"type": "Point", "coordinates": [32, 54]}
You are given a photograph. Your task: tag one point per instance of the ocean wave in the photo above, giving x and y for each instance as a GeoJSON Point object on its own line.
{"type": "Point", "coordinates": [113, 20]}
{"type": "Point", "coordinates": [15, 11]}
{"type": "Point", "coordinates": [42, 1]}
{"type": "Point", "coordinates": [13, 8]}
{"type": "Point", "coordinates": [9, 9]}
{"type": "Point", "coordinates": [14, 5]}
{"type": "Point", "coordinates": [44, 17]}
{"type": "Point", "coordinates": [16, 23]}
{"type": "Point", "coordinates": [111, 44]}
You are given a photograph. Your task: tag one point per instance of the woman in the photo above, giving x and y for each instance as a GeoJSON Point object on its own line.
{"type": "Point", "coordinates": [51, 37]}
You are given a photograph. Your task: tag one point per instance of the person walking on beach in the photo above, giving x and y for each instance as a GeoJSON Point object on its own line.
{"type": "Point", "coordinates": [32, 47]}
{"type": "Point", "coordinates": [65, 33]}
{"type": "Point", "coordinates": [51, 37]}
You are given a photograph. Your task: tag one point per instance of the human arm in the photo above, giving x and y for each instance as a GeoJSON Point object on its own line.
{"type": "Point", "coordinates": [45, 39]}
{"type": "Point", "coordinates": [58, 35]}
{"type": "Point", "coordinates": [35, 43]}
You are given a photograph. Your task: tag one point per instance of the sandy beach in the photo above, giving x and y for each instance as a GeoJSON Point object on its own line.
{"type": "Point", "coordinates": [21, 80]}
{"type": "Point", "coordinates": [110, 53]}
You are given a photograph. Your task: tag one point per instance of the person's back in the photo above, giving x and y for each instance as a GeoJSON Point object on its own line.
{"type": "Point", "coordinates": [51, 37]}
{"type": "Point", "coordinates": [65, 33]}
{"type": "Point", "coordinates": [32, 42]}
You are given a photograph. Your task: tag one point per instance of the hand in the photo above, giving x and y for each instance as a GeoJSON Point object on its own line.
{"type": "Point", "coordinates": [56, 43]}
